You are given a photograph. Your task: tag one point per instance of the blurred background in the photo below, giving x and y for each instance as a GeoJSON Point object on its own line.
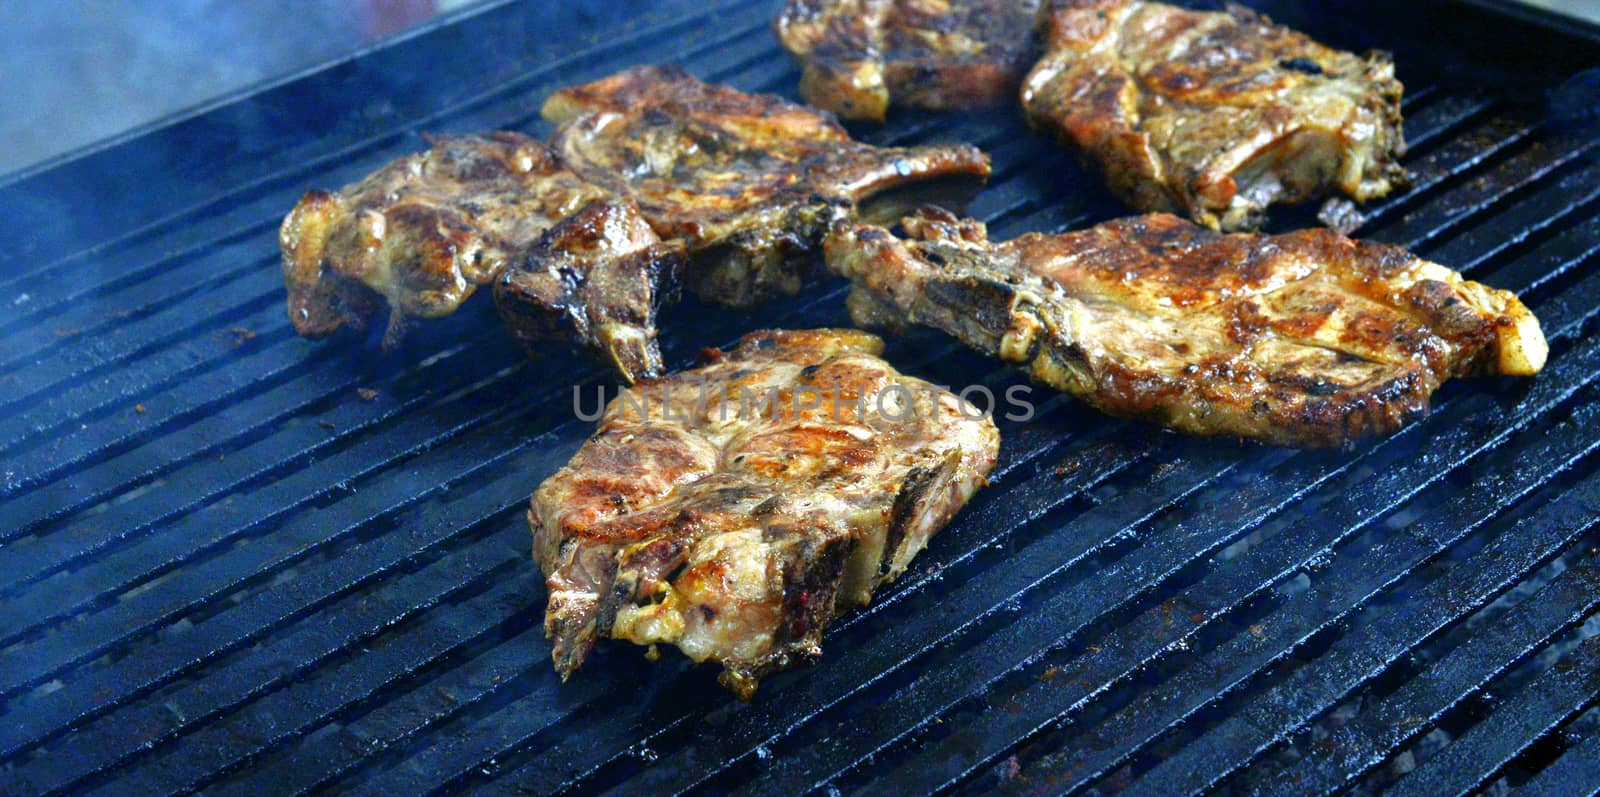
{"type": "Point", "coordinates": [73, 72]}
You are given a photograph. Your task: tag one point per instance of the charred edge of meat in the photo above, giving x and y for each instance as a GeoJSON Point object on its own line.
{"type": "Point", "coordinates": [596, 280]}
{"type": "Point", "coordinates": [811, 574]}
{"type": "Point", "coordinates": [320, 301]}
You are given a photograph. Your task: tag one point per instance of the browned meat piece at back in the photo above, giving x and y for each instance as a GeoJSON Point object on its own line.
{"type": "Point", "coordinates": [423, 232]}
{"type": "Point", "coordinates": [748, 182]}
{"type": "Point", "coordinates": [1216, 115]}
{"type": "Point", "coordinates": [735, 509]}
{"type": "Point", "coordinates": [1308, 339]}
{"type": "Point", "coordinates": [861, 56]}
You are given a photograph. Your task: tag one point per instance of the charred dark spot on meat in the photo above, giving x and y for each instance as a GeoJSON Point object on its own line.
{"type": "Point", "coordinates": [1301, 64]}
{"type": "Point", "coordinates": [595, 281]}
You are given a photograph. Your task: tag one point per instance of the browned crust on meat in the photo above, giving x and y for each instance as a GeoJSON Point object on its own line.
{"type": "Point", "coordinates": [861, 56]}
{"type": "Point", "coordinates": [1307, 339]}
{"type": "Point", "coordinates": [1214, 114]}
{"type": "Point", "coordinates": [734, 522]}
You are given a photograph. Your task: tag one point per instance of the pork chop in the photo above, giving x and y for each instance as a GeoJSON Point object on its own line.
{"type": "Point", "coordinates": [1308, 339]}
{"type": "Point", "coordinates": [1216, 115]}
{"type": "Point", "coordinates": [733, 510]}
{"type": "Point", "coordinates": [749, 182]}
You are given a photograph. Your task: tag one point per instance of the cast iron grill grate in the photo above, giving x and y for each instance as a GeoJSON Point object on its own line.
{"type": "Point", "coordinates": [238, 562]}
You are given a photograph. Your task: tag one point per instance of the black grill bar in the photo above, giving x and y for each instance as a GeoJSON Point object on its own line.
{"type": "Point", "coordinates": [1577, 771]}
{"type": "Point", "coordinates": [265, 578]}
{"type": "Point", "coordinates": [1555, 609]}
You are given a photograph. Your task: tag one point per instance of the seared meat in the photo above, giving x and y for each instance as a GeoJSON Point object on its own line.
{"type": "Point", "coordinates": [735, 509]}
{"type": "Point", "coordinates": [422, 232]}
{"type": "Point", "coordinates": [1216, 115]}
{"type": "Point", "coordinates": [945, 55]}
{"type": "Point", "coordinates": [1307, 339]}
{"type": "Point", "coordinates": [749, 183]}
{"type": "Point", "coordinates": [595, 280]}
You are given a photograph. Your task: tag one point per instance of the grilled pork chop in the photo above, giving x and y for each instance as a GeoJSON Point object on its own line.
{"type": "Point", "coordinates": [750, 183]}
{"type": "Point", "coordinates": [735, 509]}
{"type": "Point", "coordinates": [422, 232]}
{"type": "Point", "coordinates": [1214, 114]}
{"type": "Point", "coordinates": [595, 280]}
{"type": "Point", "coordinates": [862, 55]}
{"type": "Point", "coordinates": [1308, 339]}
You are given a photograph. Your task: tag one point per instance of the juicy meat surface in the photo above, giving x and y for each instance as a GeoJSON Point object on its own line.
{"type": "Point", "coordinates": [750, 183]}
{"type": "Point", "coordinates": [594, 281]}
{"type": "Point", "coordinates": [422, 232]}
{"type": "Point", "coordinates": [1216, 115]}
{"type": "Point", "coordinates": [1308, 339]}
{"type": "Point", "coordinates": [861, 56]}
{"type": "Point", "coordinates": [733, 510]}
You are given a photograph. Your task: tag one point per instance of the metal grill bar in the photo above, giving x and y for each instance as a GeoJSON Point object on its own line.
{"type": "Point", "coordinates": [1562, 691]}
{"type": "Point", "coordinates": [1362, 654]}
{"type": "Point", "coordinates": [1403, 715]}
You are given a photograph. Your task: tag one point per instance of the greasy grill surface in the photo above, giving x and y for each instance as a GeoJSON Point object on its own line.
{"type": "Point", "coordinates": [241, 562]}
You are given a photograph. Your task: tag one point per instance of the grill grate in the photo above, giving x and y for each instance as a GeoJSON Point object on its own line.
{"type": "Point", "coordinates": [262, 578]}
